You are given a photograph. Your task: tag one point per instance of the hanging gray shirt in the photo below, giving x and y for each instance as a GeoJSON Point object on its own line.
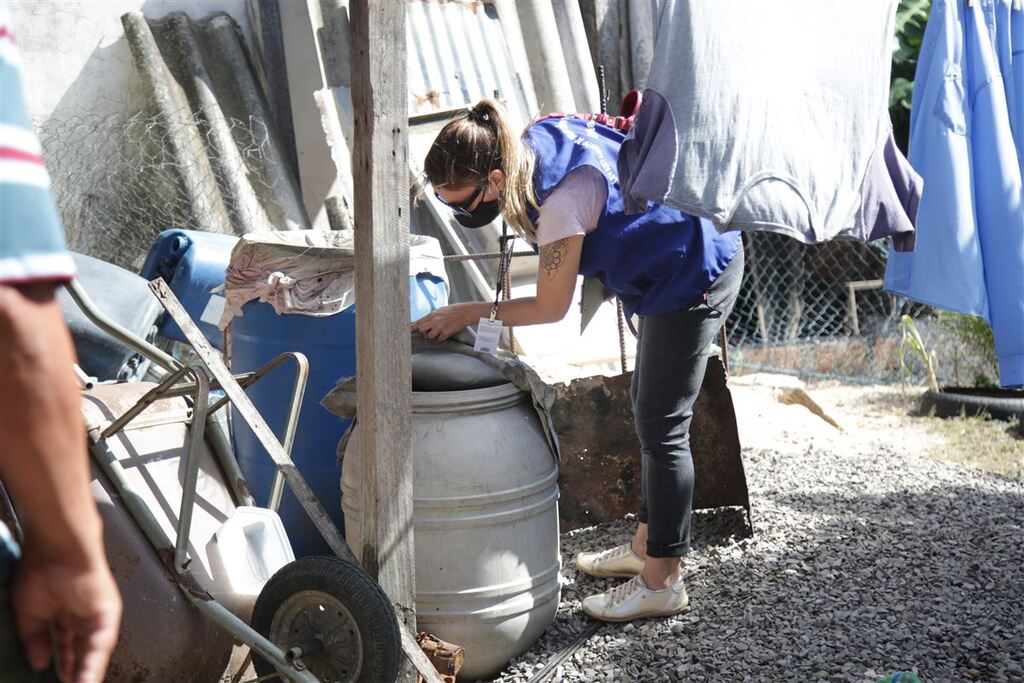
{"type": "Point", "coordinates": [765, 115]}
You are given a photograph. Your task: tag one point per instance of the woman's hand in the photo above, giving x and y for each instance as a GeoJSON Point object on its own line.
{"type": "Point", "coordinates": [556, 282]}
{"type": "Point", "coordinates": [448, 320]}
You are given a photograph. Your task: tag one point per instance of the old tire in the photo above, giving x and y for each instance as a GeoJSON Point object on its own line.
{"type": "Point", "coordinates": [1002, 404]}
{"type": "Point", "coordinates": [332, 602]}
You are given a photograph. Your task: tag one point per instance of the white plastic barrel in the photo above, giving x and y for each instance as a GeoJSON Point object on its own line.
{"type": "Point", "coordinates": [485, 520]}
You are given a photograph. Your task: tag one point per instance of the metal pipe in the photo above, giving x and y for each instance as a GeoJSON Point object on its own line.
{"type": "Point", "coordinates": [620, 318]}
{"type": "Point", "coordinates": [84, 380]}
{"type": "Point", "coordinates": [248, 635]}
{"type": "Point", "coordinates": [116, 330]}
{"type": "Point", "coordinates": [485, 256]}
{"type": "Point", "coordinates": [299, 651]}
{"type": "Point", "coordinates": [244, 380]}
{"type": "Point", "coordinates": [191, 482]}
{"type": "Point", "coordinates": [248, 379]}
{"type": "Point", "coordinates": [137, 507]}
{"type": "Point", "coordinates": [135, 343]}
{"type": "Point", "coordinates": [151, 396]}
{"type": "Point", "coordinates": [298, 389]}
{"type": "Point", "coordinates": [220, 444]}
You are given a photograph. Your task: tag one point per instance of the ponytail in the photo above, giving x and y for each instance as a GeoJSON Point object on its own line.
{"type": "Point", "coordinates": [482, 140]}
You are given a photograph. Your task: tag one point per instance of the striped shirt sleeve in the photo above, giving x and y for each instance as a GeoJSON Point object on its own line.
{"type": "Point", "coordinates": [31, 236]}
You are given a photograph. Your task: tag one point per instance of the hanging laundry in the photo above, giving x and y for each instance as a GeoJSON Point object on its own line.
{"type": "Point", "coordinates": [969, 255]}
{"type": "Point", "coordinates": [890, 197]}
{"type": "Point", "coordinates": [1017, 77]}
{"type": "Point", "coordinates": [1004, 23]}
{"type": "Point", "coordinates": [766, 116]}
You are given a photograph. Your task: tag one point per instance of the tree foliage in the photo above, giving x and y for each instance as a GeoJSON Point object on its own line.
{"type": "Point", "coordinates": [911, 18]}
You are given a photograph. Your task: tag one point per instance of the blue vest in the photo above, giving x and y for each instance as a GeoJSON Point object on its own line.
{"type": "Point", "coordinates": [658, 261]}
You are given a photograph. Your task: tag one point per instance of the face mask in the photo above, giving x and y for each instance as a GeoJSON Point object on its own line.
{"type": "Point", "coordinates": [482, 215]}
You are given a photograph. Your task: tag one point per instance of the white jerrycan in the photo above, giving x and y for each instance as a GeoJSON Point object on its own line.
{"type": "Point", "coordinates": [247, 549]}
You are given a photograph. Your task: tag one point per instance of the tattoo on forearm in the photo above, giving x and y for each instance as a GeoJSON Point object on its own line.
{"type": "Point", "coordinates": [552, 256]}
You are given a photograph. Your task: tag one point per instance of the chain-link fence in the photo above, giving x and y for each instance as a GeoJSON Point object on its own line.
{"type": "Point", "coordinates": [820, 311]}
{"type": "Point", "coordinates": [120, 180]}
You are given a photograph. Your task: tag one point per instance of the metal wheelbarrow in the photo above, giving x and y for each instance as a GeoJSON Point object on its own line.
{"type": "Point", "coordinates": [317, 618]}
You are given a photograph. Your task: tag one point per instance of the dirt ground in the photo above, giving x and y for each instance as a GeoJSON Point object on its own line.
{"type": "Point", "coordinates": [867, 415]}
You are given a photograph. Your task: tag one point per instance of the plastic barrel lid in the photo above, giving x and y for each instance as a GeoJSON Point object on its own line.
{"type": "Point", "coordinates": [444, 371]}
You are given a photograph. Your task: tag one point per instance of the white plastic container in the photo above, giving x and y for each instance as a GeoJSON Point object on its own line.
{"type": "Point", "coordinates": [244, 553]}
{"type": "Point", "coordinates": [485, 517]}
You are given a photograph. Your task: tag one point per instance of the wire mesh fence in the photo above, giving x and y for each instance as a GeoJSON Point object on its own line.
{"type": "Point", "coordinates": [820, 311]}
{"type": "Point", "coordinates": [120, 180]}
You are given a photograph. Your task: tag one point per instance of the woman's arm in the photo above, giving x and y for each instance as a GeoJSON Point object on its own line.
{"type": "Point", "coordinates": [556, 281]}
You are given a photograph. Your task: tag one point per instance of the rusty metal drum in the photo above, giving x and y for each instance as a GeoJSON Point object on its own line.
{"type": "Point", "coordinates": [163, 636]}
{"type": "Point", "coordinates": [485, 511]}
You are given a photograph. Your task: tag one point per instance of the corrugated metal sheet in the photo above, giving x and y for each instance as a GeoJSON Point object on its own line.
{"type": "Point", "coordinates": [458, 55]}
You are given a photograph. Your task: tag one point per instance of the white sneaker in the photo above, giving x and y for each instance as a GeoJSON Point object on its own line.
{"type": "Point", "coordinates": [634, 600]}
{"type": "Point", "coordinates": [619, 562]}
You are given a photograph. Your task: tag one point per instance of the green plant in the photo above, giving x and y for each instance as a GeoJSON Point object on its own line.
{"type": "Point", "coordinates": [911, 18]}
{"type": "Point", "coordinates": [975, 334]}
{"type": "Point", "coordinates": [912, 338]}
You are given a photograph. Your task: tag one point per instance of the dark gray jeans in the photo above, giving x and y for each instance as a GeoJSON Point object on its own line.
{"type": "Point", "coordinates": [670, 362]}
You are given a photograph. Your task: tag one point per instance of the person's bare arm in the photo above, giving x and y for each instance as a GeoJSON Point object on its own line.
{"type": "Point", "coordinates": [63, 578]}
{"type": "Point", "coordinates": [556, 281]}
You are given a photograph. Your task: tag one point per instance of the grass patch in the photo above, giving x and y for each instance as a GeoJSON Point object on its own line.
{"type": "Point", "coordinates": [992, 445]}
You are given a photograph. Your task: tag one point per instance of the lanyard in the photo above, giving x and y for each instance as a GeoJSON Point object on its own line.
{"type": "Point", "coordinates": [505, 245]}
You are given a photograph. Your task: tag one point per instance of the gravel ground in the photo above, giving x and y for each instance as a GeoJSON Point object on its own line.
{"type": "Point", "coordinates": [865, 561]}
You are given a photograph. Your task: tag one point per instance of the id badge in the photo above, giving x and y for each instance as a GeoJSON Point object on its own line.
{"type": "Point", "coordinates": [487, 333]}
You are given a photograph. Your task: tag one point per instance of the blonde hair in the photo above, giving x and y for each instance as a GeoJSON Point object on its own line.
{"type": "Point", "coordinates": [477, 142]}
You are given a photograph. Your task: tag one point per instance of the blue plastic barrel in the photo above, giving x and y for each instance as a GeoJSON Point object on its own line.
{"type": "Point", "coordinates": [192, 262]}
{"type": "Point", "coordinates": [329, 343]}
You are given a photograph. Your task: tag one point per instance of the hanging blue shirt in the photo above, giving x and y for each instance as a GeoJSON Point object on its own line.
{"type": "Point", "coordinates": [970, 241]}
{"type": "Point", "coordinates": [1006, 27]}
{"type": "Point", "coordinates": [1017, 77]}
{"type": "Point", "coordinates": [658, 261]}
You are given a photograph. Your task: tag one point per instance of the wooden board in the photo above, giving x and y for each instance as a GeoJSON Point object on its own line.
{"type": "Point", "coordinates": [383, 347]}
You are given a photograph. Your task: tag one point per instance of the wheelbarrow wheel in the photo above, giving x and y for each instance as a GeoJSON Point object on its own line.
{"type": "Point", "coordinates": [330, 613]}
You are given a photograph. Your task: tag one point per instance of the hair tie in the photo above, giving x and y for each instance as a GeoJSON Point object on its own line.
{"type": "Point", "coordinates": [479, 117]}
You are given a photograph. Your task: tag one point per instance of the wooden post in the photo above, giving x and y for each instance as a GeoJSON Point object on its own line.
{"type": "Point", "coordinates": [383, 351]}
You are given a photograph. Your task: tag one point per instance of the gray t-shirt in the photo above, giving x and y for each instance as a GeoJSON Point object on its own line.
{"type": "Point", "coordinates": [764, 116]}
{"type": "Point", "coordinates": [573, 207]}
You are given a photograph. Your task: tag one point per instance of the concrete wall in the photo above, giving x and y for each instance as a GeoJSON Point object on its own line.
{"type": "Point", "coordinates": [75, 60]}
